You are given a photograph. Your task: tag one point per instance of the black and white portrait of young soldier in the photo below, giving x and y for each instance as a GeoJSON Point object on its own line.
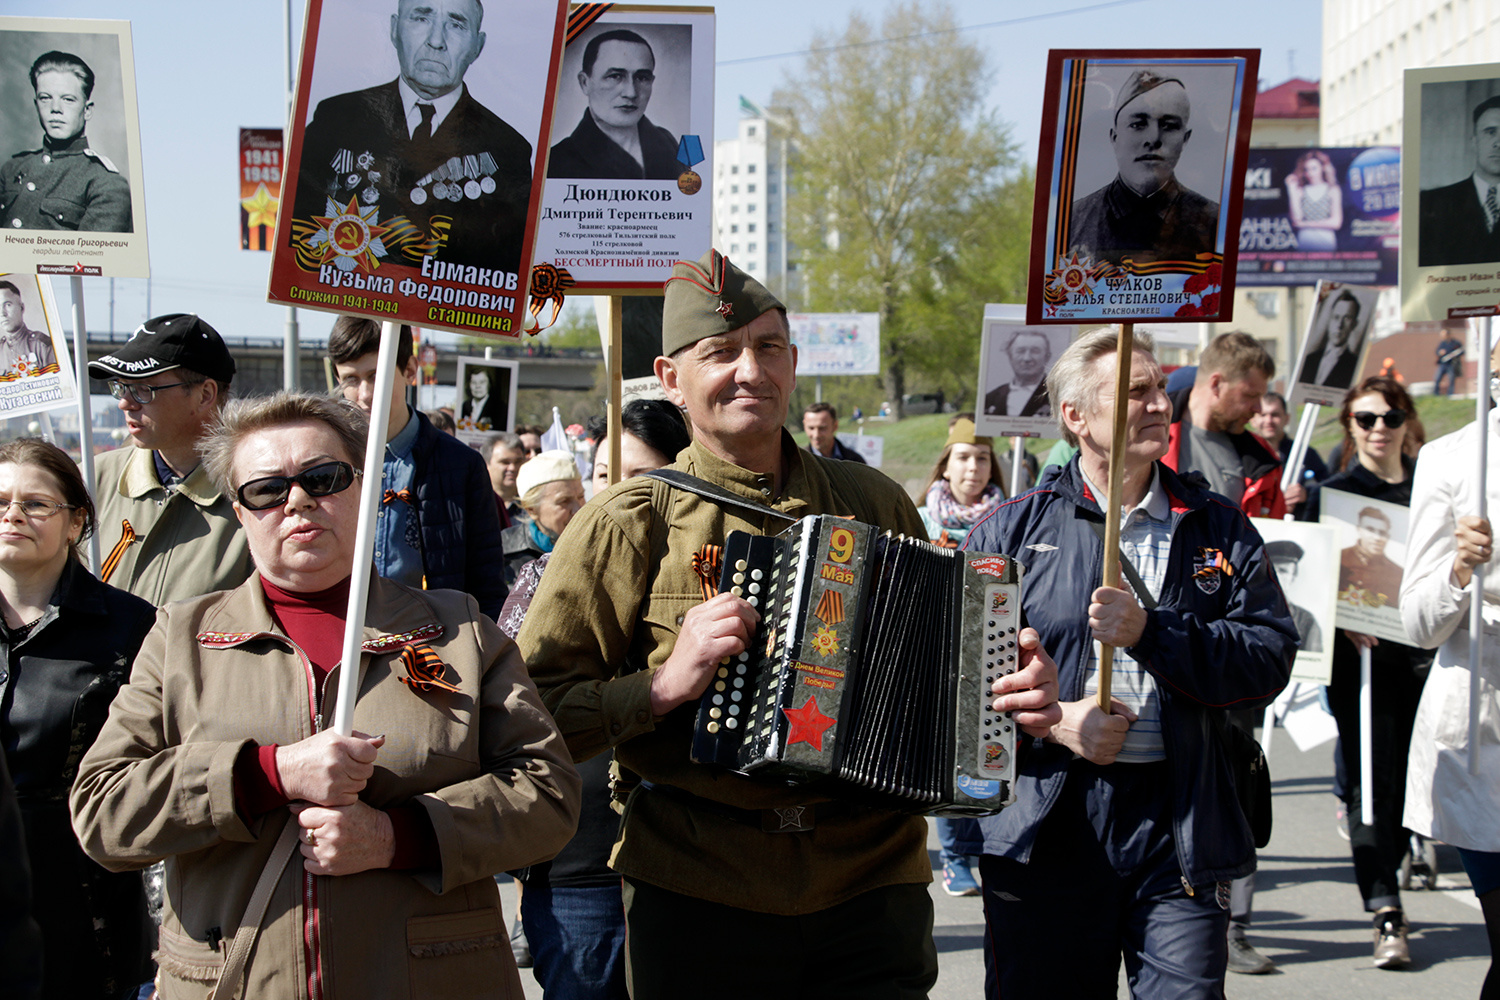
{"type": "Point", "coordinates": [1155, 195]}
{"type": "Point", "coordinates": [621, 71]}
{"type": "Point", "coordinates": [63, 182]}
{"type": "Point", "coordinates": [421, 147]}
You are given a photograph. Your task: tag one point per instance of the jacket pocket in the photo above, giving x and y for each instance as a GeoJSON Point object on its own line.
{"type": "Point", "coordinates": [66, 213]}
{"type": "Point", "coordinates": [464, 954]}
{"type": "Point", "coordinates": [188, 959]}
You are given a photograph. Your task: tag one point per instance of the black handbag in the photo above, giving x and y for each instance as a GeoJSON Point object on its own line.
{"type": "Point", "coordinates": [1247, 761]}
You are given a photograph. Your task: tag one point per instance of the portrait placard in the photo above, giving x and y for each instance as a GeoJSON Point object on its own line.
{"type": "Point", "coordinates": [1305, 556]}
{"type": "Point", "coordinates": [1319, 213]}
{"type": "Point", "coordinates": [72, 195]}
{"type": "Point", "coordinates": [413, 173]}
{"type": "Point", "coordinates": [630, 163]}
{"type": "Point", "coordinates": [1333, 349]}
{"type": "Point", "coordinates": [260, 186]}
{"type": "Point", "coordinates": [36, 370]}
{"type": "Point", "coordinates": [1140, 179]}
{"type": "Point", "coordinates": [1450, 261]}
{"type": "Point", "coordinates": [485, 398]}
{"type": "Point", "coordinates": [836, 343]}
{"type": "Point", "coordinates": [1014, 359]}
{"type": "Point", "coordinates": [1371, 560]}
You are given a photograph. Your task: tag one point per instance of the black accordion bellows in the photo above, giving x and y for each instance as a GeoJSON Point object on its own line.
{"type": "Point", "coordinates": [870, 670]}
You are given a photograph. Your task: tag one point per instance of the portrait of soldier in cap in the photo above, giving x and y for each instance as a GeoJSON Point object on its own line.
{"type": "Point", "coordinates": [1145, 212]}
{"type": "Point", "coordinates": [65, 184]}
{"type": "Point", "coordinates": [23, 351]}
{"type": "Point", "coordinates": [422, 149]}
{"type": "Point", "coordinates": [615, 139]}
{"type": "Point", "coordinates": [1286, 557]}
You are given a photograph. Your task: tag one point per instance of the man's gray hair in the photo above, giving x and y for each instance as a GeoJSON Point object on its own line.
{"type": "Point", "coordinates": [503, 439]}
{"type": "Point", "coordinates": [243, 417]}
{"type": "Point", "coordinates": [1046, 340]}
{"type": "Point", "coordinates": [1077, 380]}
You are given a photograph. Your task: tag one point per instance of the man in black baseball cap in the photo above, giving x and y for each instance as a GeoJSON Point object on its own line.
{"type": "Point", "coordinates": [174, 535]}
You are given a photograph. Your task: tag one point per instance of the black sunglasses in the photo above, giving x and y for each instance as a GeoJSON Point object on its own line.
{"type": "Point", "coordinates": [1392, 418]}
{"type": "Point", "coordinates": [318, 481]}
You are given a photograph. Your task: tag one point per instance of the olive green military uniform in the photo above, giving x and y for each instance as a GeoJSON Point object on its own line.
{"type": "Point", "coordinates": [180, 543]}
{"type": "Point", "coordinates": [606, 616]}
{"type": "Point", "coordinates": [64, 186]}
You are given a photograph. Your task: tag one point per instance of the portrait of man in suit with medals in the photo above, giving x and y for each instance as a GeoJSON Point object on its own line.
{"type": "Point", "coordinates": [449, 178]}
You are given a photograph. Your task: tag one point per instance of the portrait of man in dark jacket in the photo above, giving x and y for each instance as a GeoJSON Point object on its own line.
{"type": "Point", "coordinates": [615, 140]}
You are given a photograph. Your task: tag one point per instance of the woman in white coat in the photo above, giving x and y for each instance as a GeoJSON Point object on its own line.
{"type": "Point", "coordinates": [1447, 542]}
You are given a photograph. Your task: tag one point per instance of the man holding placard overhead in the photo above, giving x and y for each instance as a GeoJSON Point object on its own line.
{"type": "Point", "coordinates": [1131, 813]}
{"type": "Point", "coordinates": [733, 888]}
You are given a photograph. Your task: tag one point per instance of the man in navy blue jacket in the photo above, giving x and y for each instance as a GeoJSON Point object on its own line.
{"type": "Point", "coordinates": [1133, 811]}
{"type": "Point", "coordinates": [438, 525]}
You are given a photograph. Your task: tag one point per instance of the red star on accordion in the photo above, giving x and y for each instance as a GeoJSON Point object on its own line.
{"type": "Point", "coordinates": [725, 309]}
{"type": "Point", "coordinates": [808, 724]}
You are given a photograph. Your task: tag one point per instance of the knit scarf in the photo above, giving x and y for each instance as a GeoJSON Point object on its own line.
{"type": "Point", "coordinates": [949, 513]}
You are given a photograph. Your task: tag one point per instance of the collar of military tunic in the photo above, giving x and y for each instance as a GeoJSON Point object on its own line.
{"type": "Point", "coordinates": [243, 613]}
{"type": "Point", "coordinates": [1121, 200]}
{"type": "Point", "coordinates": [76, 145]}
{"type": "Point", "coordinates": [138, 481]}
{"type": "Point", "coordinates": [755, 485]}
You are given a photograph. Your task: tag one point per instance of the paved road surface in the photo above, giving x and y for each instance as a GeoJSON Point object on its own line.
{"type": "Point", "coordinates": [1308, 915]}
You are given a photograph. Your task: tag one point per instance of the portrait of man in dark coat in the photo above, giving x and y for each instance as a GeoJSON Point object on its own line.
{"type": "Point", "coordinates": [615, 140]}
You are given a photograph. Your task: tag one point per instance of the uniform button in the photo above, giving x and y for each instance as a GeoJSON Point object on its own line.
{"type": "Point", "coordinates": [31, 185]}
{"type": "Point", "coordinates": [46, 158]}
{"type": "Point", "coordinates": [16, 223]}
{"type": "Point", "coordinates": [641, 717]}
{"type": "Point", "coordinates": [765, 492]}
{"type": "Point", "coordinates": [614, 729]}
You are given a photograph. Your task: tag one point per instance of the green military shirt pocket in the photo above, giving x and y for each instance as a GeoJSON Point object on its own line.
{"type": "Point", "coordinates": [65, 212]}
{"type": "Point", "coordinates": [662, 614]}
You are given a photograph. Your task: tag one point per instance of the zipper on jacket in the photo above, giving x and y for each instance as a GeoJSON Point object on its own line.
{"type": "Point", "coordinates": [1186, 885]}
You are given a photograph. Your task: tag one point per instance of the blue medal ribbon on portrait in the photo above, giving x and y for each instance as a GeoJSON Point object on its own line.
{"type": "Point", "coordinates": [690, 151]}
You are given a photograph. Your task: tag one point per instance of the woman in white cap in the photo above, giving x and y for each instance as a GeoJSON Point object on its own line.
{"type": "Point", "coordinates": [551, 491]}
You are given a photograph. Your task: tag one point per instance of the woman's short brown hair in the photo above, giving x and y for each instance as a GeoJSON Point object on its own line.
{"type": "Point", "coordinates": [55, 462]}
{"type": "Point", "coordinates": [243, 417]}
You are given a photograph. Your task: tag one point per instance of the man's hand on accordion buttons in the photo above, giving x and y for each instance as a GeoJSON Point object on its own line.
{"type": "Point", "coordinates": [1090, 733]}
{"type": "Point", "coordinates": [1116, 617]}
{"type": "Point", "coordinates": [1031, 692]}
{"type": "Point", "coordinates": [710, 631]}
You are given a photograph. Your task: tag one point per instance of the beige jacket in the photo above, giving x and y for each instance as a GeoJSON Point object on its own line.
{"type": "Point", "coordinates": [486, 764]}
{"type": "Point", "coordinates": [180, 543]}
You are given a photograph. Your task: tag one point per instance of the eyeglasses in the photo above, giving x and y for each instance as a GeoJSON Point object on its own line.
{"type": "Point", "coordinates": [318, 481]}
{"type": "Point", "coordinates": [36, 509]}
{"type": "Point", "coordinates": [1392, 418]}
{"type": "Point", "coordinates": [142, 394]}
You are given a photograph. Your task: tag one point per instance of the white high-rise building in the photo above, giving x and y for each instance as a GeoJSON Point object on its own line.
{"type": "Point", "coordinates": [1368, 43]}
{"type": "Point", "coordinates": [750, 202]}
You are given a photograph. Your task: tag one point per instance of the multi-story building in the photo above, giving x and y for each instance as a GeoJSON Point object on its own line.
{"type": "Point", "coordinates": [750, 200]}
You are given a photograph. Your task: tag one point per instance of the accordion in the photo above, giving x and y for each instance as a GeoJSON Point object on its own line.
{"type": "Point", "coordinates": [870, 669]}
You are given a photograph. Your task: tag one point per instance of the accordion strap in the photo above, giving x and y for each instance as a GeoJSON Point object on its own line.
{"type": "Point", "coordinates": [692, 484]}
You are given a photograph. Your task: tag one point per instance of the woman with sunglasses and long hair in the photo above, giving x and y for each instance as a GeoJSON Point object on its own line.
{"type": "Point", "coordinates": [218, 756]}
{"type": "Point", "coordinates": [1377, 417]}
{"type": "Point", "coordinates": [66, 646]}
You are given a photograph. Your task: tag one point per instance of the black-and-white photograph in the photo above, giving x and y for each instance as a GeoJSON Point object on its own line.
{"type": "Point", "coordinates": [1304, 556]}
{"type": "Point", "coordinates": [1458, 219]}
{"type": "Point", "coordinates": [486, 398]}
{"type": "Point", "coordinates": [35, 364]}
{"type": "Point", "coordinates": [623, 102]}
{"type": "Point", "coordinates": [63, 133]}
{"type": "Point", "coordinates": [427, 112]}
{"type": "Point", "coordinates": [1334, 348]}
{"type": "Point", "coordinates": [1149, 177]}
{"type": "Point", "coordinates": [1014, 362]}
{"type": "Point", "coordinates": [1371, 561]}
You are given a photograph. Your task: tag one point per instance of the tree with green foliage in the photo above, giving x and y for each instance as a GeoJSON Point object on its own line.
{"type": "Point", "coordinates": [904, 188]}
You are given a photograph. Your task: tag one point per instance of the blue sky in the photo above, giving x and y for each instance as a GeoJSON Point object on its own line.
{"type": "Point", "coordinates": [204, 69]}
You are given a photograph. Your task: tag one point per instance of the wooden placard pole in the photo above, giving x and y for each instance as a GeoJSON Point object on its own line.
{"type": "Point", "coordinates": [616, 369]}
{"type": "Point", "coordinates": [1124, 361]}
{"type": "Point", "coordinates": [364, 533]}
{"type": "Point", "coordinates": [85, 414]}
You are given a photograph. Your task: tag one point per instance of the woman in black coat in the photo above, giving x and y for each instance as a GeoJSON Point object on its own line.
{"type": "Point", "coordinates": [66, 647]}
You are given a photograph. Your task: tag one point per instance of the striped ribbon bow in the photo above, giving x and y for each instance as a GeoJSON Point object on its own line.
{"type": "Point", "coordinates": [405, 496]}
{"type": "Point", "coordinates": [424, 670]}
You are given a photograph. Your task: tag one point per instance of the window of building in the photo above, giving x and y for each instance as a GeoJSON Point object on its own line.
{"type": "Point", "coordinates": [734, 168]}
{"type": "Point", "coordinates": [750, 169]}
{"type": "Point", "coordinates": [752, 247]}
{"type": "Point", "coordinates": [750, 130]}
{"type": "Point", "coordinates": [734, 189]}
{"type": "Point", "coordinates": [750, 266]}
{"type": "Point", "coordinates": [734, 248]}
{"type": "Point", "coordinates": [750, 207]}
{"type": "Point", "coordinates": [750, 228]}
{"type": "Point", "coordinates": [770, 189]}
{"type": "Point", "coordinates": [734, 209]}
{"type": "Point", "coordinates": [734, 229]}
{"type": "Point", "coordinates": [770, 227]}
{"type": "Point", "coordinates": [750, 189]}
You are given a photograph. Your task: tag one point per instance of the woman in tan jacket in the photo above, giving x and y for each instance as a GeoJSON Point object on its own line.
{"type": "Point", "coordinates": [218, 743]}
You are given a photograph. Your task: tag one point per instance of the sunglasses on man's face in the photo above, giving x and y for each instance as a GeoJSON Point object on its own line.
{"type": "Point", "coordinates": [318, 481]}
{"type": "Point", "coordinates": [1392, 418]}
